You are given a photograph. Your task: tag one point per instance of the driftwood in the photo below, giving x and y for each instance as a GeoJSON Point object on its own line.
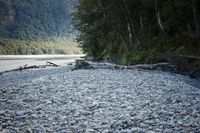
{"type": "Point", "coordinates": [51, 64]}
{"type": "Point", "coordinates": [82, 64]}
{"type": "Point", "coordinates": [167, 67]}
{"type": "Point", "coordinates": [188, 56]}
{"type": "Point", "coordinates": [187, 64]}
{"type": "Point", "coordinates": [195, 74]}
{"type": "Point", "coordinates": [26, 67]}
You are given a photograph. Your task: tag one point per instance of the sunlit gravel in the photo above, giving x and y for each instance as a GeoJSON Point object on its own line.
{"type": "Point", "coordinates": [102, 100]}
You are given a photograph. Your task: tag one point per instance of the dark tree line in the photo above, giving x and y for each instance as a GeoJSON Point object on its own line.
{"type": "Point", "coordinates": [138, 31]}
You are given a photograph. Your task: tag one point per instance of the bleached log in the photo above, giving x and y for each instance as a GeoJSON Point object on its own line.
{"type": "Point", "coordinates": [51, 64]}
{"type": "Point", "coordinates": [195, 74]}
{"type": "Point", "coordinates": [26, 67]}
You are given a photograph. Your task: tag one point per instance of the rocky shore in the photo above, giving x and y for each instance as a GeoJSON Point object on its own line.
{"type": "Point", "coordinates": [98, 100]}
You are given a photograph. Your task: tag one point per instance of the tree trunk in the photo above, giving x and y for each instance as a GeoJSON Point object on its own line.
{"type": "Point", "coordinates": [116, 28]}
{"type": "Point", "coordinates": [158, 17]}
{"type": "Point", "coordinates": [196, 25]}
{"type": "Point", "coordinates": [101, 6]}
{"type": "Point", "coordinates": [160, 23]}
{"type": "Point", "coordinates": [130, 25]}
{"type": "Point", "coordinates": [141, 23]}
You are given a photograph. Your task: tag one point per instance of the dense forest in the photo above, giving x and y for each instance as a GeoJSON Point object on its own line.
{"type": "Point", "coordinates": [24, 22]}
{"type": "Point", "coordinates": [138, 31]}
{"type": "Point", "coordinates": [30, 19]}
{"type": "Point", "coordinates": [38, 46]}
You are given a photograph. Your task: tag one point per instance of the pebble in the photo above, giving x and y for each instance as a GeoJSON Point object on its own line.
{"type": "Point", "coordinates": [98, 101]}
{"type": "Point", "coordinates": [2, 112]}
{"type": "Point", "coordinates": [49, 102]}
{"type": "Point", "coordinates": [20, 113]}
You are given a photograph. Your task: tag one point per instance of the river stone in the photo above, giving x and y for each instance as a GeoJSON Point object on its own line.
{"type": "Point", "coordinates": [100, 100]}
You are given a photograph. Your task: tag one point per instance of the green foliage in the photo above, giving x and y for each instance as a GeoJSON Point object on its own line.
{"type": "Point", "coordinates": [33, 19]}
{"type": "Point", "coordinates": [48, 46]}
{"type": "Point", "coordinates": [138, 31]}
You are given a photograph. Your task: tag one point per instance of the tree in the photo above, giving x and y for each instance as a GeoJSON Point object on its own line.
{"type": "Point", "coordinates": [137, 31]}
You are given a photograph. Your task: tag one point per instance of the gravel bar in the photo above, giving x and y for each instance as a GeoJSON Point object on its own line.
{"type": "Point", "coordinates": [106, 101]}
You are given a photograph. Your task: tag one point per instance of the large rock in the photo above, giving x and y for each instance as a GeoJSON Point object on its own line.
{"type": "Point", "coordinates": [186, 63]}
{"type": "Point", "coordinates": [81, 64]}
{"type": "Point", "coordinates": [195, 74]}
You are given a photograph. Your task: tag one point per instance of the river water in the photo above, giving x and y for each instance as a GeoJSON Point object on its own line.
{"type": "Point", "coordinates": [9, 62]}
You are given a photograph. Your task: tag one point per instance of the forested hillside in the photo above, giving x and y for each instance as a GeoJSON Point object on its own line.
{"type": "Point", "coordinates": [38, 46]}
{"type": "Point", "coordinates": [37, 27]}
{"type": "Point", "coordinates": [30, 19]}
{"type": "Point", "coordinates": [138, 31]}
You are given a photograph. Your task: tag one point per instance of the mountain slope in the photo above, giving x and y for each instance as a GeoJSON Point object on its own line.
{"type": "Point", "coordinates": [31, 19]}
{"type": "Point", "coordinates": [35, 47]}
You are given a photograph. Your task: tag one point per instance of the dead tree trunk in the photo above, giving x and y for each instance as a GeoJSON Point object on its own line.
{"type": "Point", "coordinates": [160, 23]}
{"type": "Point", "coordinates": [130, 26]}
{"type": "Point", "coordinates": [52, 64]}
{"type": "Point", "coordinates": [195, 16]}
{"type": "Point", "coordinates": [158, 17]}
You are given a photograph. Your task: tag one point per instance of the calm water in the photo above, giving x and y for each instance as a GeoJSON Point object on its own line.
{"type": "Point", "coordinates": [9, 62]}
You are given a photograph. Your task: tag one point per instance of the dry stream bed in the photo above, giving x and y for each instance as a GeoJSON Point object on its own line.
{"type": "Point", "coordinates": [98, 100]}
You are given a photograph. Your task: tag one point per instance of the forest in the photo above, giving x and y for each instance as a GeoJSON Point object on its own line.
{"type": "Point", "coordinates": [138, 31]}
{"type": "Point", "coordinates": [30, 26]}
{"type": "Point", "coordinates": [54, 46]}
{"type": "Point", "coordinates": [33, 19]}
{"type": "Point", "coordinates": [137, 68]}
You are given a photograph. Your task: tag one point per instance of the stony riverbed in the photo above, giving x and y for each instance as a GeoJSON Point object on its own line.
{"type": "Point", "coordinates": [102, 100]}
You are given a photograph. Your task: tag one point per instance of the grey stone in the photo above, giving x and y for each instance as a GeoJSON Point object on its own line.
{"type": "Point", "coordinates": [99, 100]}
{"type": "Point", "coordinates": [21, 112]}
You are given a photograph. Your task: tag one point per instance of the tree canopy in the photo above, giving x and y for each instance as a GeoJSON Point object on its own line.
{"type": "Point", "coordinates": [138, 31]}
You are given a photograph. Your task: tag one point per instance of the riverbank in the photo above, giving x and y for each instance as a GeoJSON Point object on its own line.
{"type": "Point", "coordinates": [38, 46]}
{"type": "Point", "coordinates": [10, 62]}
{"type": "Point", "coordinates": [100, 100]}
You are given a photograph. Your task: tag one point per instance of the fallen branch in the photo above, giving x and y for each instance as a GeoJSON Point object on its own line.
{"type": "Point", "coordinates": [82, 64]}
{"type": "Point", "coordinates": [51, 64]}
{"type": "Point", "coordinates": [195, 74]}
{"type": "Point", "coordinates": [187, 63]}
{"type": "Point", "coordinates": [188, 56]}
{"type": "Point", "coordinates": [26, 67]}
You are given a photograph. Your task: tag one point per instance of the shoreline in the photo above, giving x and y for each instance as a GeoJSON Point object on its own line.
{"type": "Point", "coordinates": [98, 100]}
{"type": "Point", "coordinates": [10, 62]}
{"type": "Point", "coordinates": [21, 57]}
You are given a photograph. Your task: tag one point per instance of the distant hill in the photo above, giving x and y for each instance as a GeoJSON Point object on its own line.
{"type": "Point", "coordinates": [35, 47]}
{"type": "Point", "coordinates": [33, 19]}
